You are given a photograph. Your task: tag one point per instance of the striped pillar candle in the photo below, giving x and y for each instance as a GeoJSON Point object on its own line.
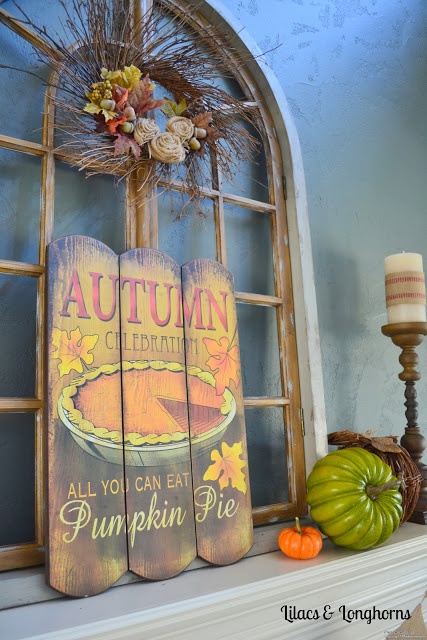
{"type": "Point", "coordinates": [405, 288]}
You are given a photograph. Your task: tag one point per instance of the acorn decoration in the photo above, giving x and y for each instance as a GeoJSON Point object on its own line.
{"type": "Point", "coordinates": [200, 133]}
{"type": "Point", "coordinates": [194, 144]}
{"type": "Point", "coordinates": [126, 127]}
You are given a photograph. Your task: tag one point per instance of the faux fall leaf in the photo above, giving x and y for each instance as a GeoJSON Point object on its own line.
{"type": "Point", "coordinates": [120, 96]}
{"type": "Point", "coordinates": [72, 351]}
{"type": "Point", "coordinates": [202, 120]}
{"type": "Point", "coordinates": [212, 135]}
{"type": "Point", "coordinates": [94, 109]}
{"type": "Point", "coordinates": [127, 78]}
{"type": "Point", "coordinates": [227, 468]}
{"type": "Point", "coordinates": [224, 362]}
{"type": "Point", "coordinates": [141, 98]}
{"type": "Point", "coordinates": [113, 124]}
{"type": "Point", "coordinates": [130, 77]}
{"type": "Point", "coordinates": [126, 144]}
{"type": "Point", "coordinates": [171, 108]}
{"type": "Point", "coordinates": [101, 126]}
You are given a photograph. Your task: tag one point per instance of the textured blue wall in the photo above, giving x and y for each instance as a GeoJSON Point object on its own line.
{"type": "Point", "coordinates": [354, 73]}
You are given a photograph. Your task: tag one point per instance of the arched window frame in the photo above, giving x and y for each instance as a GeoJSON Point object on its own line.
{"type": "Point", "coordinates": [292, 182]}
{"type": "Point", "coordinates": [290, 227]}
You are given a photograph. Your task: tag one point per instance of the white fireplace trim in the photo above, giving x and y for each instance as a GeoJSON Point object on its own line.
{"type": "Point", "coordinates": [245, 600]}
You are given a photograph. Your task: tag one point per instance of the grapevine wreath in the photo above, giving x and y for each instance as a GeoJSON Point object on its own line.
{"type": "Point", "coordinates": [393, 454]}
{"type": "Point", "coordinates": [113, 79]}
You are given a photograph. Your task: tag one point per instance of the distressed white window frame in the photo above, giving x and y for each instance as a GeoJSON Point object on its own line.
{"type": "Point", "coordinates": [26, 586]}
{"type": "Point", "coordinates": [306, 323]}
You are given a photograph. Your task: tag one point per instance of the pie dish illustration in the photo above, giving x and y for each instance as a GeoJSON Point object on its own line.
{"type": "Point", "coordinates": [153, 396]}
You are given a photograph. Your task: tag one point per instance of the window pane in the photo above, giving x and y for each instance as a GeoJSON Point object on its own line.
{"type": "Point", "coordinates": [249, 253]}
{"type": "Point", "coordinates": [89, 206]}
{"type": "Point", "coordinates": [249, 176]}
{"type": "Point", "coordinates": [230, 86]}
{"type": "Point", "coordinates": [47, 14]}
{"type": "Point", "coordinates": [19, 206]}
{"type": "Point", "coordinates": [267, 456]}
{"type": "Point", "coordinates": [18, 297]}
{"type": "Point", "coordinates": [17, 481]}
{"type": "Point", "coordinates": [25, 118]}
{"type": "Point", "coordinates": [192, 236]}
{"type": "Point", "coordinates": [259, 350]}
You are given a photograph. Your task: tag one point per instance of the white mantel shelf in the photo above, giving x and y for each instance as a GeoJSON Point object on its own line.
{"type": "Point", "coordinates": [244, 601]}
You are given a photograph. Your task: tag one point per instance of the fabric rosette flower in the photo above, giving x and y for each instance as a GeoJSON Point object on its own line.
{"type": "Point", "coordinates": [167, 147]}
{"type": "Point", "coordinates": [145, 130]}
{"type": "Point", "coordinates": [180, 126]}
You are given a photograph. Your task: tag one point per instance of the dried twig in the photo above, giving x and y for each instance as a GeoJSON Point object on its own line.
{"type": "Point", "coordinates": [160, 45]}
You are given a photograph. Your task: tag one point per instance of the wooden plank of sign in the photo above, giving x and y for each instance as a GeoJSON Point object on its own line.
{"type": "Point", "coordinates": [222, 499]}
{"type": "Point", "coordinates": [87, 550]}
{"type": "Point", "coordinates": [161, 536]}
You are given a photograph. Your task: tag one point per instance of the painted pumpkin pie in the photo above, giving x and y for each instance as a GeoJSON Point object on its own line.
{"type": "Point", "coordinates": [155, 409]}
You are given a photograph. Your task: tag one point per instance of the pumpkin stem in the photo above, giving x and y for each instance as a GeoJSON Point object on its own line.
{"type": "Point", "coordinates": [298, 526]}
{"type": "Point", "coordinates": [373, 492]}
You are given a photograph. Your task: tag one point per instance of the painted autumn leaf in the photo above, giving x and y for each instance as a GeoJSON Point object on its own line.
{"type": "Point", "coordinates": [72, 351]}
{"type": "Point", "coordinates": [227, 467]}
{"type": "Point", "coordinates": [224, 362]}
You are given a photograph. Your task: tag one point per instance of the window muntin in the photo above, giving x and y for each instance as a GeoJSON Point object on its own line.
{"type": "Point", "coordinates": [265, 299]}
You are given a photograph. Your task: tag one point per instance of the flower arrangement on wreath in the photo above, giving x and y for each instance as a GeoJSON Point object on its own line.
{"type": "Point", "coordinates": [120, 103]}
{"type": "Point", "coordinates": [106, 70]}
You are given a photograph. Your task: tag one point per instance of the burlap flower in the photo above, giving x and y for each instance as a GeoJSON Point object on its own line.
{"type": "Point", "coordinates": [145, 129]}
{"type": "Point", "coordinates": [167, 147]}
{"type": "Point", "coordinates": [182, 127]}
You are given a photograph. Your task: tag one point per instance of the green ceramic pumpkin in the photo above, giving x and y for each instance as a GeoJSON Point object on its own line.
{"type": "Point", "coordinates": [354, 498]}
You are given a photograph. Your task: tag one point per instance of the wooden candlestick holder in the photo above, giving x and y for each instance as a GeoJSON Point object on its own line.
{"type": "Point", "coordinates": [408, 336]}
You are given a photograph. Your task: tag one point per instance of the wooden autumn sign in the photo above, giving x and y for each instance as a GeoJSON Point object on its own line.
{"type": "Point", "coordinates": [139, 477]}
{"type": "Point", "coordinates": [87, 550]}
{"type": "Point", "coordinates": [161, 536]}
{"type": "Point", "coordinates": [223, 510]}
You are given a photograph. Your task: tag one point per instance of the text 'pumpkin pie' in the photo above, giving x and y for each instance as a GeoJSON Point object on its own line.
{"type": "Point", "coordinates": [155, 411]}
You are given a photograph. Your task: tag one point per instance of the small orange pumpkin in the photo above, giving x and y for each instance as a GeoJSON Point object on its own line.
{"type": "Point", "coordinates": [300, 542]}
